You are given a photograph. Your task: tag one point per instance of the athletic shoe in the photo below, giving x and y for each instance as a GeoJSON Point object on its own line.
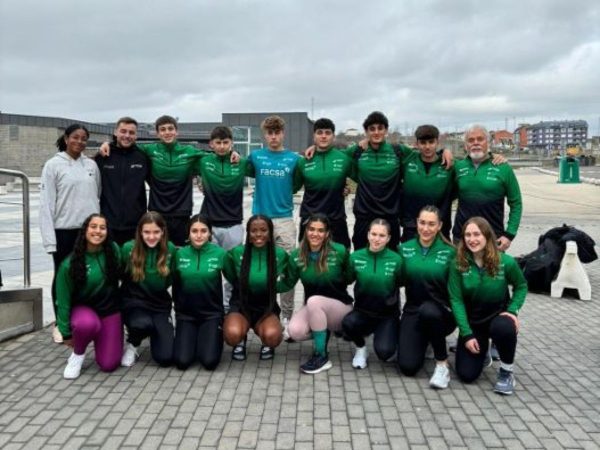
{"type": "Point", "coordinates": [505, 382]}
{"type": "Point", "coordinates": [441, 377]}
{"type": "Point", "coordinates": [130, 355]}
{"type": "Point", "coordinates": [285, 323]}
{"type": "Point", "coordinates": [487, 362]}
{"type": "Point", "coordinates": [239, 351]}
{"type": "Point", "coordinates": [73, 368]}
{"type": "Point", "coordinates": [266, 353]}
{"type": "Point", "coordinates": [56, 336]}
{"type": "Point", "coordinates": [360, 357]}
{"type": "Point", "coordinates": [316, 364]}
{"type": "Point", "coordinates": [494, 353]}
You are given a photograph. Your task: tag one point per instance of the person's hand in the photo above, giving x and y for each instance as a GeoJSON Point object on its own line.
{"type": "Point", "coordinates": [235, 157]}
{"type": "Point", "coordinates": [498, 159]}
{"type": "Point", "coordinates": [512, 317]}
{"type": "Point", "coordinates": [503, 243]}
{"type": "Point", "coordinates": [363, 144]}
{"type": "Point", "coordinates": [447, 159]}
{"type": "Point", "coordinates": [68, 342]}
{"type": "Point", "coordinates": [104, 149]}
{"type": "Point", "coordinates": [310, 152]}
{"type": "Point", "coordinates": [472, 345]}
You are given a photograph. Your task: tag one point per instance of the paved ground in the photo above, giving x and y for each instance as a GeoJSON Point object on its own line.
{"type": "Point", "coordinates": [271, 405]}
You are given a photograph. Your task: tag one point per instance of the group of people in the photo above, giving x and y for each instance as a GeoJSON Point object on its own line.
{"type": "Point", "coordinates": [118, 260]}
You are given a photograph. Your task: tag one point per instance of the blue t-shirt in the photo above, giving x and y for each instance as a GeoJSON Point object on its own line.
{"type": "Point", "coordinates": [274, 173]}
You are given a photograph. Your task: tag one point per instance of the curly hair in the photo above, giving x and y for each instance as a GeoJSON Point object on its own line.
{"type": "Point", "coordinates": [136, 264]}
{"type": "Point", "coordinates": [78, 268]}
{"type": "Point", "coordinates": [491, 254]}
{"type": "Point", "coordinates": [325, 249]}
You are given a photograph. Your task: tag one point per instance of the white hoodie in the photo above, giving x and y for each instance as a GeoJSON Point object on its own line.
{"type": "Point", "coordinates": [70, 192]}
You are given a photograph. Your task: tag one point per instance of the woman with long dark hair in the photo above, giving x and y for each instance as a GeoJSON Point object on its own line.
{"type": "Point", "coordinates": [482, 305]}
{"type": "Point", "coordinates": [198, 294]}
{"type": "Point", "coordinates": [69, 192]}
{"type": "Point", "coordinates": [146, 301]}
{"type": "Point", "coordinates": [253, 269]}
{"type": "Point", "coordinates": [87, 299]}
{"type": "Point", "coordinates": [321, 265]}
{"type": "Point", "coordinates": [426, 317]}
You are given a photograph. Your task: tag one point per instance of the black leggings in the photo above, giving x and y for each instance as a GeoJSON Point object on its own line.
{"type": "Point", "coordinates": [177, 229]}
{"type": "Point", "coordinates": [358, 325]}
{"type": "Point", "coordinates": [502, 331]}
{"type": "Point", "coordinates": [431, 323]}
{"type": "Point", "coordinates": [142, 323]}
{"type": "Point", "coordinates": [65, 240]}
{"type": "Point", "coordinates": [200, 340]}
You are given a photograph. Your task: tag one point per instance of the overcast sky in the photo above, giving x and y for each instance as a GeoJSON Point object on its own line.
{"type": "Point", "coordinates": [450, 63]}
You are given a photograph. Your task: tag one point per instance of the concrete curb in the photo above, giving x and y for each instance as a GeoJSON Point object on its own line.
{"type": "Point", "coordinates": [588, 180]}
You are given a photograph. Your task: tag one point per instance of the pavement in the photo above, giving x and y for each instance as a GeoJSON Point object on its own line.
{"type": "Point", "coordinates": [271, 405]}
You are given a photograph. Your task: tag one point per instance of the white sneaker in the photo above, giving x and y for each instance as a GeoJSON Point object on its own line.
{"type": "Point", "coordinates": [130, 356]}
{"type": "Point", "coordinates": [73, 368]}
{"type": "Point", "coordinates": [360, 358]}
{"type": "Point", "coordinates": [285, 323]}
{"type": "Point", "coordinates": [441, 377]}
{"type": "Point", "coordinates": [56, 336]}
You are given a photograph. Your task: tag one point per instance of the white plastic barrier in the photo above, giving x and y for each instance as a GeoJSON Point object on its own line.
{"type": "Point", "coordinates": [571, 275]}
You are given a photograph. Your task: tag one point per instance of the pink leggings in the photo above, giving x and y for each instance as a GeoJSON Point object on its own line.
{"type": "Point", "coordinates": [318, 314]}
{"type": "Point", "coordinates": [106, 332]}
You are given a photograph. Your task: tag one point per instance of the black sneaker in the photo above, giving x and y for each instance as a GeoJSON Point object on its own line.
{"type": "Point", "coordinates": [266, 353]}
{"type": "Point", "coordinates": [239, 351]}
{"type": "Point", "coordinates": [505, 382]}
{"type": "Point", "coordinates": [316, 364]}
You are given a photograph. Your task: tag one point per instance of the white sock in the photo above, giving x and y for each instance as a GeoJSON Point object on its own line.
{"type": "Point", "coordinates": [507, 367]}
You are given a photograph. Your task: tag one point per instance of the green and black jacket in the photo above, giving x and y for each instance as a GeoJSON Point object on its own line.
{"type": "Point", "coordinates": [97, 293]}
{"type": "Point", "coordinates": [324, 178]}
{"type": "Point", "coordinates": [258, 297]}
{"type": "Point", "coordinates": [481, 192]}
{"type": "Point", "coordinates": [197, 282]}
{"type": "Point", "coordinates": [425, 272]}
{"type": "Point", "coordinates": [476, 297]}
{"type": "Point", "coordinates": [379, 177]}
{"type": "Point", "coordinates": [172, 169]}
{"type": "Point", "coordinates": [223, 185]}
{"type": "Point", "coordinates": [331, 283]}
{"type": "Point", "coordinates": [377, 276]}
{"type": "Point", "coordinates": [152, 292]}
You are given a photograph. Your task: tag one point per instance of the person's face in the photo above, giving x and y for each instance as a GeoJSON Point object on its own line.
{"type": "Point", "coordinates": [474, 239]}
{"type": "Point", "coordinates": [151, 234]}
{"type": "Point", "coordinates": [222, 147]}
{"type": "Point", "coordinates": [376, 133]}
{"type": "Point", "coordinates": [76, 142]}
{"type": "Point", "coordinates": [477, 145]}
{"type": "Point", "coordinates": [274, 139]}
{"type": "Point", "coordinates": [378, 237]}
{"type": "Point", "coordinates": [427, 147]}
{"type": "Point", "coordinates": [199, 234]}
{"type": "Point", "coordinates": [428, 227]}
{"type": "Point", "coordinates": [323, 138]}
{"type": "Point", "coordinates": [316, 232]}
{"type": "Point", "coordinates": [126, 134]}
{"type": "Point", "coordinates": [95, 233]}
{"type": "Point", "coordinates": [167, 133]}
{"type": "Point", "coordinates": [259, 233]}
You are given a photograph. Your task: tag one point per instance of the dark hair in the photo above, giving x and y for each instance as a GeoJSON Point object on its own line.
{"type": "Point", "coordinates": [137, 260]}
{"type": "Point", "coordinates": [324, 124]}
{"type": "Point", "coordinates": [435, 210]}
{"type": "Point", "coordinates": [426, 132]}
{"type": "Point", "coordinates": [271, 264]}
{"type": "Point", "coordinates": [325, 248]}
{"type": "Point", "coordinates": [127, 120]}
{"type": "Point", "coordinates": [78, 269]}
{"type": "Point", "coordinates": [382, 222]}
{"type": "Point", "coordinates": [491, 254]}
{"type": "Point", "coordinates": [61, 143]}
{"type": "Point", "coordinates": [273, 123]}
{"type": "Point", "coordinates": [165, 120]}
{"type": "Point", "coordinates": [376, 118]}
{"type": "Point", "coordinates": [221, 132]}
{"type": "Point", "coordinates": [199, 218]}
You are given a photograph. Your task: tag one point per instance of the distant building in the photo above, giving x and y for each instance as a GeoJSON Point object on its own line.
{"type": "Point", "coordinates": [520, 136]}
{"type": "Point", "coordinates": [554, 135]}
{"type": "Point", "coordinates": [502, 138]}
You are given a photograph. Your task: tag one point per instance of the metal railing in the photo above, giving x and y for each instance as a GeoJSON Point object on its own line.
{"type": "Point", "coordinates": [26, 238]}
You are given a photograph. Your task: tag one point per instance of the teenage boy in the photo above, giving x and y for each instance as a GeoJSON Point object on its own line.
{"type": "Point", "coordinates": [273, 167]}
{"type": "Point", "coordinates": [123, 174]}
{"type": "Point", "coordinates": [223, 187]}
{"type": "Point", "coordinates": [324, 179]}
{"type": "Point", "coordinates": [172, 169]}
